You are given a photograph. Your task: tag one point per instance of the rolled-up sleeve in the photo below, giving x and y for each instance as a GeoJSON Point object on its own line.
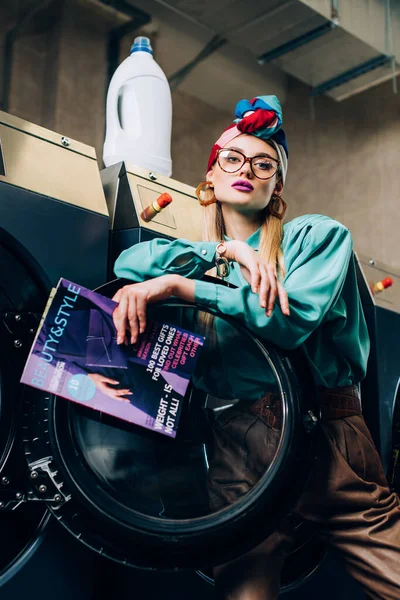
{"type": "Point", "coordinates": [160, 257]}
{"type": "Point", "coordinates": [319, 258]}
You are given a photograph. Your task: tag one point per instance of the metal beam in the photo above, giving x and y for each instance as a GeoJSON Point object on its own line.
{"type": "Point", "coordinates": [351, 74]}
{"type": "Point", "coordinates": [295, 43]}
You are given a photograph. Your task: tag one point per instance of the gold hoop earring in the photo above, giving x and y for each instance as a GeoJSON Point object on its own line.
{"type": "Point", "coordinates": [205, 193]}
{"type": "Point", "coordinates": [277, 206]}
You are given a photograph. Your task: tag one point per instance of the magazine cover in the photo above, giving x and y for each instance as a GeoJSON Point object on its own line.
{"type": "Point", "coordinates": [75, 355]}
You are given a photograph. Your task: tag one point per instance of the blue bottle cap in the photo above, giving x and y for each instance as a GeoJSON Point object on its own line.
{"type": "Point", "coordinates": [141, 44]}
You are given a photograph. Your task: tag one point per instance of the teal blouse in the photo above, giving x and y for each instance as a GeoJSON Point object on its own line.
{"type": "Point", "coordinates": [326, 316]}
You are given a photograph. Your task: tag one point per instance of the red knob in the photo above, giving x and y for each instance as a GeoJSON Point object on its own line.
{"type": "Point", "coordinates": [381, 285]}
{"type": "Point", "coordinates": [164, 200]}
{"type": "Point", "coordinates": [155, 207]}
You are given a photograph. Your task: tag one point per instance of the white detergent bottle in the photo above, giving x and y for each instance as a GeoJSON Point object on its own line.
{"type": "Point", "coordinates": [139, 113]}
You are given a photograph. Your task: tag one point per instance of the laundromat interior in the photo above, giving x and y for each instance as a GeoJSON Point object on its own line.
{"type": "Point", "coordinates": [93, 507]}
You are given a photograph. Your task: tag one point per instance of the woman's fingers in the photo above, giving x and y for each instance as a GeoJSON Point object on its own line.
{"type": "Point", "coordinates": [109, 380]}
{"type": "Point", "coordinates": [270, 289]}
{"type": "Point", "coordinates": [120, 318]}
{"type": "Point", "coordinates": [264, 287]}
{"type": "Point", "coordinates": [126, 392]}
{"type": "Point", "coordinates": [255, 276]}
{"type": "Point", "coordinates": [119, 395]}
{"type": "Point", "coordinates": [112, 392]}
{"type": "Point", "coordinates": [141, 306]}
{"type": "Point", "coordinates": [273, 290]}
{"type": "Point", "coordinates": [260, 275]}
{"type": "Point", "coordinates": [130, 313]}
{"type": "Point", "coordinates": [117, 295]}
{"type": "Point", "coordinates": [283, 299]}
{"type": "Point", "coordinates": [246, 274]}
{"type": "Point", "coordinates": [133, 319]}
{"type": "Point", "coordinates": [249, 261]}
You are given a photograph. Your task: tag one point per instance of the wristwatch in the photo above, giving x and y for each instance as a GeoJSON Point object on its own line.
{"type": "Point", "coordinates": [221, 263]}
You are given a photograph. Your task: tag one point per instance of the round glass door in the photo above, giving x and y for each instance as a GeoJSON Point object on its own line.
{"type": "Point", "coordinates": [235, 467]}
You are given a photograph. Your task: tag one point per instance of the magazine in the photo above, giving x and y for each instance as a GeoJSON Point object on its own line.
{"type": "Point", "coordinates": [75, 355]}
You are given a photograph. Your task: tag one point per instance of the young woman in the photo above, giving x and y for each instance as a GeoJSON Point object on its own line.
{"type": "Point", "coordinates": [296, 287]}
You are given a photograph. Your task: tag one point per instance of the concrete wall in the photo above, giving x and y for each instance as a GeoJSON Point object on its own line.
{"type": "Point", "coordinates": [344, 163]}
{"type": "Point", "coordinates": [59, 65]}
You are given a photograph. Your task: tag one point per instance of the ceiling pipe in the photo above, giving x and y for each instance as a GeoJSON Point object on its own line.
{"type": "Point", "coordinates": [138, 19]}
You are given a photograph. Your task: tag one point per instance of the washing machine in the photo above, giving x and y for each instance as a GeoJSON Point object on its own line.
{"type": "Point", "coordinates": [94, 499]}
{"type": "Point", "coordinates": [53, 222]}
{"type": "Point", "coordinates": [380, 389]}
{"type": "Point", "coordinates": [81, 493]}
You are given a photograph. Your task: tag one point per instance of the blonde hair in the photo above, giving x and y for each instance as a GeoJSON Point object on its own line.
{"type": "Point", "coordinates": [270, 240]}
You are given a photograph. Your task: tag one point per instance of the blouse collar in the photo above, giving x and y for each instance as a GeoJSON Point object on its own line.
{"type": "Point", "coordinates": [253, 240]}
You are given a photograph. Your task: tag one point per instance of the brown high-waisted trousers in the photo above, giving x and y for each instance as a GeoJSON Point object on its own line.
{"type": "Point", "coordinates": [346, 496]}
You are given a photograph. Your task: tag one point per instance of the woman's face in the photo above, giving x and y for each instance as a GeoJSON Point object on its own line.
{"type": "Point", "coordinates": [254, 194]}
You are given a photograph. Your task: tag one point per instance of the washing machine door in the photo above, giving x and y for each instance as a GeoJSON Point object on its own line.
{"type": "Point", "coordinates": [23, 294]}
{"type": "Point", "coordinates": [235, 468]}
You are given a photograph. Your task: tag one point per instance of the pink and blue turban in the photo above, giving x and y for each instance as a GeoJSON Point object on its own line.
{"type": "Point", "coordinates": [262, 117]}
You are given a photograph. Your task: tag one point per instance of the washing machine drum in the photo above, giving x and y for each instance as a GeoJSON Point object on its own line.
{"type": "Point", "coordinates": [222, 485]}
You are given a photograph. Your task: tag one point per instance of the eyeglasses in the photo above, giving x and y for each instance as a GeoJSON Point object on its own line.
{"type": "Point", "coordinates": [263, 166]}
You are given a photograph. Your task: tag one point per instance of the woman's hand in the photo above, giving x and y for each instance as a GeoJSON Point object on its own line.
{"type": "Point", "coordinates": [130, 314]}
{"type": "Point", "coordinates": [260, 275]}
{"type": "Point", "coordinates": [102, 383]}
